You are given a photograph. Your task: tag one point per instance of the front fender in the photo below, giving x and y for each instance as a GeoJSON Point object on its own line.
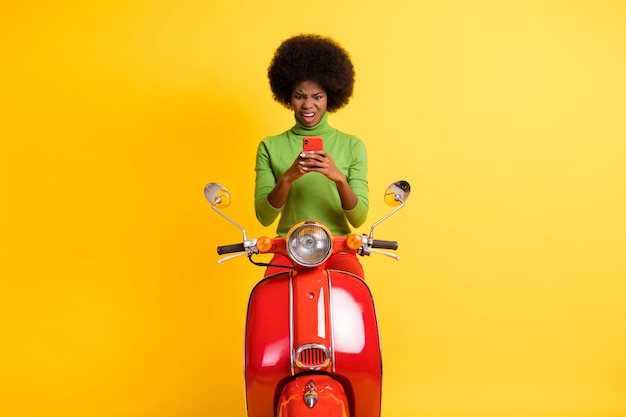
{"type": "Point", "coordinates": [313, 396]}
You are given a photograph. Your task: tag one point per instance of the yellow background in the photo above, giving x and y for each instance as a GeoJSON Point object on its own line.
{"type": "Point", "coordinates": [507, 117]}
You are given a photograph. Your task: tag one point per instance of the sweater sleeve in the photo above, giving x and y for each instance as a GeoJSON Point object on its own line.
{"type": "Point", "coordinates": [357, 178]}
{"type": "Point", "coordinates": [265, 183]}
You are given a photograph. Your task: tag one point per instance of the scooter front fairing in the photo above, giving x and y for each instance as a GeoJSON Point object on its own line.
{"type": "Point", "coordinates": [309, 324]}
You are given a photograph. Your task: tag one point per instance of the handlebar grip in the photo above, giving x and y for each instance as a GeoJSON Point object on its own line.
{"type": "Point", "coordinates": [237, 247]}
{"type": "Point", "coordinates": [385, 244]}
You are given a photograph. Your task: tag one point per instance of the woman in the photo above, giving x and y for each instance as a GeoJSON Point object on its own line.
{"type": "Point", "coordinates": [312, 76]}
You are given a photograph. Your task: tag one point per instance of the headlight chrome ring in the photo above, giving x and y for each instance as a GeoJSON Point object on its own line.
{"type": "Point", "coordinates": [309, 243]}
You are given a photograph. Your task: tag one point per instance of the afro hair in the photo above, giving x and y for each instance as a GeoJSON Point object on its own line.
{"type": "Point", "coordinates": [311, 57]}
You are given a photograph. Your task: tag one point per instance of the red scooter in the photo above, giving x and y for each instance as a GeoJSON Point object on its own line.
{"type": "Point", "coordinates": [311, 342]}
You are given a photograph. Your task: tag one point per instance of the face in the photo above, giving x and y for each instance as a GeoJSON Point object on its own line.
{"type": "Point", "coordinates": [308, 100]}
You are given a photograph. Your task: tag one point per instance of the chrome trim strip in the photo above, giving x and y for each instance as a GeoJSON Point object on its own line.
{"type": "Point", "coordinates": [346, 273]}
{"type": "Point", "coordinates": [332, 322]}
{"type": "Point", "coordinates": [291, 326]}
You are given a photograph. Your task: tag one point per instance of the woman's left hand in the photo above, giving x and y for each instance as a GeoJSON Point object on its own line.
{"type": "Point", "coordinates": [320, 161]}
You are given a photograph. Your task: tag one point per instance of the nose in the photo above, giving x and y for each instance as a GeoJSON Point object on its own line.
{"type": "Point", "coordinates": [308, 103]}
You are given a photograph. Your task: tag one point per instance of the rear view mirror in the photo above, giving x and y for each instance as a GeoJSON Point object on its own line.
{"type": "Point", "coordinates": [217, 195]}
{"type": "Point", "coordinates": [397, 193]}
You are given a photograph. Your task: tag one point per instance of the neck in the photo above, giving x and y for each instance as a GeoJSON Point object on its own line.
{"type": "Point", "coordinates": [317, 130]}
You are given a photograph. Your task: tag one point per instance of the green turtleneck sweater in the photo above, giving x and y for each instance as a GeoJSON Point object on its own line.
{"type": "Point", "coordinates": [312, 196]}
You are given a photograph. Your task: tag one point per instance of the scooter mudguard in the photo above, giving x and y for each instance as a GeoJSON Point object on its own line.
{"type": "Point", "coordinates": [314, 396]}
{"type": "Point", "coordinates": [314, 307]}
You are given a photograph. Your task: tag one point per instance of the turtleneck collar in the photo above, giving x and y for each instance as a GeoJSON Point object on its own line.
{"type": "Point", "coordinates": [317, 130]}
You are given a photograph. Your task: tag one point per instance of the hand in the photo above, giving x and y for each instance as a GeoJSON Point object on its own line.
{"type": "Point", "coordinates": [278, 195]}
{"type": "Point", "coordinates": [314, 161]}
{"type": "Point", "coordinates": [295, 171]}
{"type": "Point", "coordinates": [320, 161]}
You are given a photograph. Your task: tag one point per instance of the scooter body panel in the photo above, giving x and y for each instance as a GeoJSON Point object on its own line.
{"type": "Point", "coordinates": [356, 343]}
{"type": "Point", "coordinates": [267, 347]}
{"type": "Point", "coordinates": [312, 307]}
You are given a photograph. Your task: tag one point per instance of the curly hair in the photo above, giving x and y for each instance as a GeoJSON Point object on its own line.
{"type": "Point", "coordinates": [311, 57]}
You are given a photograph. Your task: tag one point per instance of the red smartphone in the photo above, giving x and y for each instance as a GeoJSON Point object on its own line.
{"type": "Point", "coordinates": [312, 143]}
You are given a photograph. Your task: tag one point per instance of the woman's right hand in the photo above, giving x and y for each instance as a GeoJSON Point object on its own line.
{"type": "Point", "coordinates": [278, 195]}
{"type": "Point", "coordinates": [296, 170]}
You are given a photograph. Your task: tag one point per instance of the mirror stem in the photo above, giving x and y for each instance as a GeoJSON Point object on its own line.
{"type": "Point", "coordinates": [371, 236]}
{"type": "Point", "coordinates": [217, 200]}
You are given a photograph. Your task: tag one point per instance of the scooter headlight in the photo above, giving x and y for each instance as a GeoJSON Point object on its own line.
{"type": "Point", "coordinates": [309, 243]}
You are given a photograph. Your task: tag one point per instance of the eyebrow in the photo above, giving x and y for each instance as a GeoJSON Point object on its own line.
{"type": "Point", "coordinates": [302, 93]}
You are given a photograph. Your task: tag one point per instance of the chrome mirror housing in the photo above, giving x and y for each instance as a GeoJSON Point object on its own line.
{"type": "Point", "coordinates": [217, 195]}
{"type": "Point", "coordinates": [397, 193]}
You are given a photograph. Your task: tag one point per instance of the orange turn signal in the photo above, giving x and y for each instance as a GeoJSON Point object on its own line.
{"type": "Point", "coordinates": [353, 241]}
{"type": "Point", "coordinates": [264, 244]}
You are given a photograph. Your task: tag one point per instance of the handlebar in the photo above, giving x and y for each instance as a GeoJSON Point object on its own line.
{"type": "Point", "coordinates": [237, 247]}
{"type": "Point", "coordinates": [385, 244]}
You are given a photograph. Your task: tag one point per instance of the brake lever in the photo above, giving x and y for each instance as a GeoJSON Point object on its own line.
{"type": "Point", "coordinates": [228, 258]}
{"type": "Point", "coordinates": [380, 252]}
